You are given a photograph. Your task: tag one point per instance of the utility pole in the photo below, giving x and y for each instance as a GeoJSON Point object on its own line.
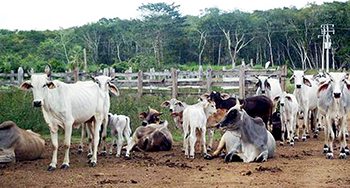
{"type": "Point", "coordinates": [326, 29]}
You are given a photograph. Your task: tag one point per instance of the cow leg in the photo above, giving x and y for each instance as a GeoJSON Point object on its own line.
{"type": "Point", "coordinates": [210, 136]}
{"type": "Point", "coordinates": [104, 136]}
{"type": "Point", "coordinates": [67, 140]}
{"type": "Point", "coordinates": [130, 146]}
{"type": "Point", "coordinates": [342, 138]}
{"type": "Point", "coordinates": [193, 139]}
{"type": "Point", "coordinates": [218, 149]}
{"type": "Point", "coordinates": [90, 133]}
{"type": "Point", "coordinates": [185, 139]}
{"type": "Point", "coordinates": [283, 129]}
{"type": "Point", "coordinates": [305, 125]}
{"type": "Point", "coordinates": [54, 140]}
{"type": "Point", "coordinates": [262, 157]}
{"type": "Point", "coordinates": [120, 142]}
{"type": "Point", "coordinates": [80, 148]}
{"type": "Point", "coordinates": [203, 131]}
{"type": "Point", "coordinates": [330, 137]}
{"type": "Point", "coordinates": [97, 126]}
{"type": "Point", "coordinates": [112, 141]}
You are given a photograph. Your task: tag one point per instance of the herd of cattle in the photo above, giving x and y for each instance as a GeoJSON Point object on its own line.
{"type": "Point", "coordinates": [248, 127]}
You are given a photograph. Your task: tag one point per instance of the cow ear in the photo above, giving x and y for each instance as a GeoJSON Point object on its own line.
{"type": "Point", "coordinates": [289, 98]}
{"type": "Point", "coordinates": [276, 99]}
{"type": "Point", "coordinates": [307, 82]}
{"type": "Point", "coordinates": [180, 104]}
{"type": "Point", "coordinates": [165, 104]}
{"type": "Point", "coordinates": [51, 85]}
{"type": "Point", "coordinates": [26, 85]}
{"type": "Point", "coordinates": [291, 80]}
{"type": "Point", "coordinates": [347, 84]}
{"type": "Point", "coordinates": [322, 88]}
{"type": "Point", "coordinates": [225, 96]}
{"type": "Point", "coordinates": [113, 89]}
{"type": "Point", "coordinates": [142, 115]}
{"type": "Point", "coordinates": [205, 96]}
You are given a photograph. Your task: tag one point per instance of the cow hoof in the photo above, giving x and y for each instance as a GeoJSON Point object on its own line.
{"type": "Point", "coordinates": [80, 152]}
{"type": "Point", "coordinates": [208, 157]}
{"type": "Point", "coordinates": [346, 135]}
{"type": "Point", "coordinates": [104, 153]}
{"type": "Point", "coordinates": [191, 156]}
{"type": "Point", "coordinates": [64, 166]}
{"type": "Point", "coordinates": [330, 156]}
{"type": "Point", "coordinates": [325, 150]}
{"type": "Point", "coordinates": [51, 168]}
{"type": "Point", "coordinates": [209, 149]}
{"type": "Point", "coordinates": [288, 143]}
{"type": "Point", "coordinates": [115, 145]}
{"type": "Point", "coordinates": [291, 144]}
{"type": "Point", "coordinates": [308, 136]}
{"type": "Point", "coordinates": [118, 155]}
{"type": "Point", "coordinates": [342, 156]}
{"type": "Point", "coordinates": [281, 143]}
{"type": "Point", "coordinates": [315, 136]}
{"type": "Point", "coordinates": [186, 156]}
{"type": "Point", "coordinates": [304, 139]}
{"type": "Point", "coordinates": [110, 153]}
{"type": "Point", "coordinates": [296, 139]}
{"type": "Point", "coordinates": [89, 155]}
{"type": "Point", "coordinates": [92, 164]}
{"type": "Point", "coordinates": [319, 128]}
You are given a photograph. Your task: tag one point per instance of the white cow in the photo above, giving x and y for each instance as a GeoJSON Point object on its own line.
{"type": "Point", "coordinates": [334, 101]}
{"type": "Point", "coordinates": [289, 114]}
{"type": "Point", "coordinates": [119, 124]}
{"type": "Point", "coordinates": [64, 105]}
{"type": "Point", "coordinates": [195, 117]}
{"type": "Point", "coordinates": [175, 106]}
{"type": "Point", "coordinates": [306, 94]}
{"type": "Point", "coordinates": [106, 85]}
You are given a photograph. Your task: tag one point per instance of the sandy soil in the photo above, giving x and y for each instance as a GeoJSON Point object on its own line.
{"type": "Point", "coordinates": [303, 165]}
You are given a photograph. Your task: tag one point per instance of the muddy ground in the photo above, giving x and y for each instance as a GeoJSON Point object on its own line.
{"type": "Point", "coordinates": [303, 165]}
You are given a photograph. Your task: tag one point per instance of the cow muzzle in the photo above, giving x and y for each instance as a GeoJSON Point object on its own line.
{"type": "Point", "coordinates": [144, 123]}
{"type": "Point", "coordinates": [282, 104]}
{"type": "Point", "coordinates": [171, 110]}
{"type": "Point", "coordinates": [337, 95]}
{"type": "Point", "coordinates": [37, 104]}
{"type": "Point", "coordinates": [298, 86]}
{"type": "Point", "coordinates": [263, 91]}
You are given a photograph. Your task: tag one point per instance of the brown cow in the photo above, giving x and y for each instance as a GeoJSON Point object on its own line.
{"type": "Point", "coordinates": [18, 144]}
{"type": "Point", "coordinates": [154, 135]}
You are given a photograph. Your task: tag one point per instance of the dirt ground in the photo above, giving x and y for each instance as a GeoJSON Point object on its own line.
{"type": "Point", "coordinates": [303, 165]}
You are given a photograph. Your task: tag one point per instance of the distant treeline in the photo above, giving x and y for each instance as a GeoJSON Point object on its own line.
{"type": "Point", "coordinates": [164, 38]}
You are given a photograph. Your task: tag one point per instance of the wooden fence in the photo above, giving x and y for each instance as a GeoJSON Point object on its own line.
{"type": "Point", "coordinates": [169, 82]}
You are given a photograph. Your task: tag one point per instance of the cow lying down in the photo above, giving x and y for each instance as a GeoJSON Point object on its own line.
{"type": "Point", "coordinates": [18, 144]}
{"type": "Point", "coordinates": [246, 138]}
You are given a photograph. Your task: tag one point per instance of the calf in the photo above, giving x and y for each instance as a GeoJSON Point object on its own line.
{"type": "Point", "coordinates": [19, 144]}
{"type": "Point", "coordinates": [333, 102]}
{"type": "Point", "coordinates": [154, 135]}
{"type": "Point", "coordinates": [246, 138]}
{"type": "Point", "coordinates": [306, 94]}
{"type": "Point", "coordinates": [289, 114]}
{"type": "Point", "coordinates": [195, 117]}
{"type": "Point", "coordinates": [119, 124]}
{"type": "Point", "coordinates": [270, 87]}
{"type": "Point", "coordinates": [175, 106]}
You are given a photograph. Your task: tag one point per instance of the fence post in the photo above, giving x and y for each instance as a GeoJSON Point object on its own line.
{"type": "Point", "coordinates": [175, 90]}
{"type": "Point", "coordinates": [209, 72]}
{"type": "Point", "coordinates": [284, 73]}
{"type": "Point", "coordinates": [12, 77]}
{"type": "Point", "coordinates": [20, 75]}
{"type": "Point", "coordinates": [139, 83]}
{"type": "Point", "coordinates": [76, 74]}
{"type": "Point", "coordinates": [241, 82]}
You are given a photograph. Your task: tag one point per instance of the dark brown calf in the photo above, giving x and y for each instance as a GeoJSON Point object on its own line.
{"type": "Point", "coordinates": [18, 144]}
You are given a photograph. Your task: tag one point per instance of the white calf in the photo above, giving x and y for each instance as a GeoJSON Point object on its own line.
{"type": "Point", "coordinates": [195, 117]}
{"type": "Point", "coordinates": [175, 106]}
{"type": "Point", "coordinates": [119, 124]}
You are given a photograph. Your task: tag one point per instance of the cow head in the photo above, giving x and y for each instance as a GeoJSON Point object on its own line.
{"type": "Point", "coordinates": [283, 97]}
{"type": "Point", "coordinates": [174, 105]}
{"type": "Point", "coordinates": [210, 108]}
{"type": "Point", "coordinates": [105, 84]}
{"type": "Point", "coordinates": [39, 83]}
{"type": "Point", "coordinates": [232, 118]}
{"type": "Point", "coordinates": [151, 116]}
{"type": "Point", "coordinates": [298, 79]}
{"type": "Point", "coordinates": [263, 84]}
{"type": "Point", "coordinates": [336, 84]}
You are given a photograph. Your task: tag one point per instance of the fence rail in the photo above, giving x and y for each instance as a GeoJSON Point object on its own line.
{"type": "Point", "coordinates": [173, 82]}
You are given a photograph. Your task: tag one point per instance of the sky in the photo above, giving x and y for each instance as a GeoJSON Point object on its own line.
{"type": "Point", "coordinates": [56, 14]}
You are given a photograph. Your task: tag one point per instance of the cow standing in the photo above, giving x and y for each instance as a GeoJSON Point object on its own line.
{"type": "Point", "coordinates": [289, 114]}
{"type": "Point", "coordinates": [333, 102]}
{"type": "Point", "coordinates": [119, 124]}
{"type": "Point", "coordinates": [306, 94]}
{"type": "Point", "coordinates": [64, 105]}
